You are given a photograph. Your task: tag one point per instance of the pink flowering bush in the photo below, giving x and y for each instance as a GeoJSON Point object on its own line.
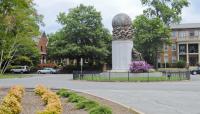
{"type": "Point", "coordinates": [139, 66]}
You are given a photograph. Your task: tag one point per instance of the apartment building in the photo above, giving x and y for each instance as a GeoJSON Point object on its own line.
{"type": "Point", "coordinates": [185, 45]}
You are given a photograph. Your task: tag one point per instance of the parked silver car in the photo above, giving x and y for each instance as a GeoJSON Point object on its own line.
{"type": "Point", "coordinates": [20, 69]}
{"type": "Point", "coordinates": [47, 71]}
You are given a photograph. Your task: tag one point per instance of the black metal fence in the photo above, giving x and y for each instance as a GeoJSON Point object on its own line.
{"type": "Point", "coordinates": [128, 76]}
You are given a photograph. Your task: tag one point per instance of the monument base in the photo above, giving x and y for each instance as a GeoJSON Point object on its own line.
{"type": "Point", "coordinates": [119, 71]}
{"type": "Point", "coordinates": [121, 55]}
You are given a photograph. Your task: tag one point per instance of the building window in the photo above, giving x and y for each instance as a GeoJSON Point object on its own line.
{"type": "Point", "coordinates": [165, 47]}
{"type": "Point", "coordinates": [41, 48]}
{"type": "Point", "coordinates": [182, 49]}
{"type": "Point", "coordinates": [173, 34]}
{"type": "Point", "coordinates": [182, 57]}
{"type": "Point", "coordinates": [173, 47]}
{"type": "Point", "coordinates": [193, 48]}
{"type": "Point", "coordinates": [166, 59]}
{"type": "Point", "coordinates": [159, 59]}
{"type": "Point", "coordinates": [196, 33]}
{"type": "Point", "coordinates": [182, 34]}
{"type": "Point", "coordinates": [173, 59]}
{"type": "Point", "coordinates": [191, 34]}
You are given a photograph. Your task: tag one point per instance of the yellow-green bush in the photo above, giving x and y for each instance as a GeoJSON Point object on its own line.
{"type": "Point", "coordinates": [52, 101]}
{"type": "Point", "coordinates": [11, 103]}
{"type": "Point", "coordinates": [40, 90]}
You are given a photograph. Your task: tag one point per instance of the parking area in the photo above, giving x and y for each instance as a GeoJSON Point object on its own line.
{"type": "Point", "coordinates": [151, 98]}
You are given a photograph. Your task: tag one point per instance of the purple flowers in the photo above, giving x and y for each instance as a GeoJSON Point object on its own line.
{"type": "Point", "coordinates": [139, 66]}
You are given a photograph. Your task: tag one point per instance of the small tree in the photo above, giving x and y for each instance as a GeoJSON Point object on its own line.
{"type": "Point", "coordinates": [23, 60]}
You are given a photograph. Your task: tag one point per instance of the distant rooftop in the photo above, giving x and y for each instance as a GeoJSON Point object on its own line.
{"type": "Point", "coordinates": [186, 26]}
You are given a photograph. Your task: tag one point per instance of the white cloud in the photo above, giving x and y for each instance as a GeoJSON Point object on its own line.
{"type": "Point", "coordinates": [108, 8]}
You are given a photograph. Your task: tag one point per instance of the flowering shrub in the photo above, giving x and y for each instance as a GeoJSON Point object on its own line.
{"type": "Point", "coordinates": [52, 101]}
{"type": "Point", "coordinates": [51, 65]}
{"type": "Point", "coordinates": [139, 66]}
{"type": "Point", "coordinates": [11, 103]}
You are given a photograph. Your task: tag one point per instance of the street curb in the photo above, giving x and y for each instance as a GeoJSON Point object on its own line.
{"type": "Point", "coordinates": [131, 109]}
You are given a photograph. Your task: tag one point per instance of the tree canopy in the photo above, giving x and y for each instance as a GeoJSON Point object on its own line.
{"type": "Point", "coordinates": [149, 36]}
{"type": "Point", "coordinates": [19, 21]}
{"type": "Point", "coordinates": [82, 35]}
{"type": "Point", "coordinates": [169, 11]}
{"type": "Point", "coordinates": [152, 28]}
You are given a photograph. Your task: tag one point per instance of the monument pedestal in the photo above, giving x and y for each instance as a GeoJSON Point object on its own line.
{"type": "Point", "coordinates": [121, 55]}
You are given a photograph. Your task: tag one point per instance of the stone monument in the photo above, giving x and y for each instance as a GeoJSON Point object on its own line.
{"type": "Point", "coordinates": [122, 44]}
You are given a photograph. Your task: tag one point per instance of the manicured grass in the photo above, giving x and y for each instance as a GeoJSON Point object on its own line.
{"type": "Point", "coordinates": [5, 76]}
{"type": "Point", "coordinates": [132, 79]}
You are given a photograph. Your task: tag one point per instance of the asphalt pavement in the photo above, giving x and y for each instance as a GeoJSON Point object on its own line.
{"type": "Point", "coordinates": [151, 98]}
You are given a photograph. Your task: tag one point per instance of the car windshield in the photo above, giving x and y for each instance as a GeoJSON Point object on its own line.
{"type": "Point", "coordinates": [47, 68]}
{"type": "Point", "coordinates": [20, 67]}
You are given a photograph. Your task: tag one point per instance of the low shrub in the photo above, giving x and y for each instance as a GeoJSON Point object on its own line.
{"type": "Point", "coordinates": [51, 65]}
{"type": "Point", "coordinates": [40, 90]}
{"type": "Point", "coordinates": [11, 103]}
{"type": "Point", "coordinates": [64, 93]}
{"type": "Point", "coordinates": [83, 103]}
{"type": "Point", "coordinates": [74, 98]}
{"type": "Point", "coordinates": [52, 101]}
{"type": "Point", "coordinates": [101, 110]}
{"type": "Point", "coordinates": [87, 105]}
{"type": "Point", "coordinates": [181, 64]}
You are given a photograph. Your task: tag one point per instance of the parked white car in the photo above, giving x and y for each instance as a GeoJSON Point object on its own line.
{"type": "Point", "coordinates": [47, 71]}
{"type": "Point", "coordinates": [20, 69]}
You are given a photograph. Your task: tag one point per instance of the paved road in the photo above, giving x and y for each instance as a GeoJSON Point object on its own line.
{"type": "Point", "coordinates": [150, 98]}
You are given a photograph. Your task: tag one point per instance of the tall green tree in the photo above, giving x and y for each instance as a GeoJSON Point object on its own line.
{"type": "Point", "coordinates": [82, 35]}
{"type": "Point", "coordinates": [149, 36]}
{"type": "Point", "coordinates": [19, 20]}
{"type": "Point", "coordinates": [169, 11]}
{"type": "Point", "coordinates": [152, 29]}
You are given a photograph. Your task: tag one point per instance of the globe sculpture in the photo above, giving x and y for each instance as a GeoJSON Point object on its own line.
{"type": "Point", "coordinates": [122, 44]}
{"type": "Point", "coordinates": [122, 27]}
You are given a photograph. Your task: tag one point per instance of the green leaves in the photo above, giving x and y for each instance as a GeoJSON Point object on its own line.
{"type": "Point", "coordinates": [149, 35]}
{"type": "Point", "coordinates": [169, 11]}
{"type": "Point", "coordinates": [19, 23]}
{"type": "Point", "coordinates": [82, 35]}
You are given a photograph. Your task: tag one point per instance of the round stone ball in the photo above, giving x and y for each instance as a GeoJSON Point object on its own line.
{"type": "Point", "coordinates": [121, 20]}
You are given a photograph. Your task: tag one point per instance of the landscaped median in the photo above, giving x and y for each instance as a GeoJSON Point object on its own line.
{"type": "Point", "coordinates": [82, 103]}
{"type": "Point", "coordinates": [42, 100]}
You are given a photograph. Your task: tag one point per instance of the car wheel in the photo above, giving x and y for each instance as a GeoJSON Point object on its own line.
{"type": "Point", "coordinates": [194, 73]}
{"type": "Point", "coordinates": [39, 72]}
{"type": "Point", "coordinates": [21, 72]}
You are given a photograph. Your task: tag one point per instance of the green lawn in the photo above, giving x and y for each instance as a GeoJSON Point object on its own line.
{"type": "Point", "coordinates": [5, 76]}
{"type": "Point", "coordinates": [131, 79]}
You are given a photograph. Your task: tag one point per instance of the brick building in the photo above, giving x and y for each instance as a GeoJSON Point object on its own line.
{"type": "Point", "coordinates": [42, 46]}
{"type": "Point", "coordinates": [185, 45]}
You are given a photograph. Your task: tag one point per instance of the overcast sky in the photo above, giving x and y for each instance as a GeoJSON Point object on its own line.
{"type": "Point", "coordinates": [108, 8]}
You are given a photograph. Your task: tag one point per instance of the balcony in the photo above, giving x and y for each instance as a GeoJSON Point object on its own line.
{"type": "Point", "coordinates": [189, 38]}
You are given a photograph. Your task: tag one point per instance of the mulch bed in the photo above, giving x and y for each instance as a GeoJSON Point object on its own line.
{"type": "Point", "coordinates": [116, 108]}
{"type": "Point", "coordinates": [32, 103]}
